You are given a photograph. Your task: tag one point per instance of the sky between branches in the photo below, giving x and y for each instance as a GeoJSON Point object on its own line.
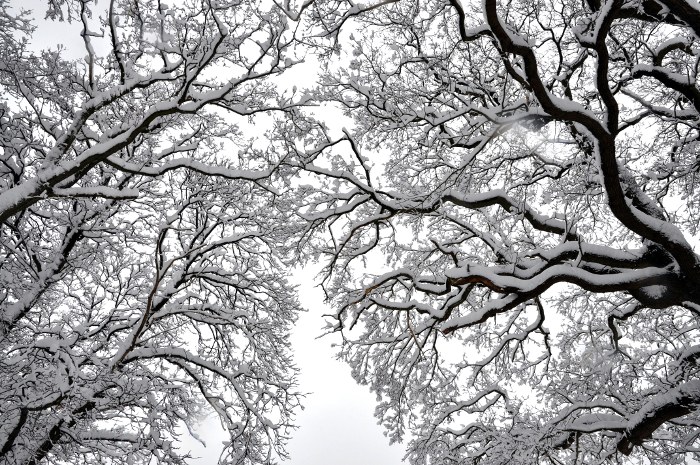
{"type": "Point", "coordinates": [337, 420]}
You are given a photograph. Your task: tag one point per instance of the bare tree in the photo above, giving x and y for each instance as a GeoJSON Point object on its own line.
{"type": "Point", "coordinates": [141, 234]}
{"type": "Point", "coordinates": [511, 226]}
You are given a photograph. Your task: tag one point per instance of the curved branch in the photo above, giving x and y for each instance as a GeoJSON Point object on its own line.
{"type": "Point", "coordinates": [674, 403]}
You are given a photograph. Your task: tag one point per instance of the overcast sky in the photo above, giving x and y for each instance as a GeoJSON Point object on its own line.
{"type": "Point", "coordinates": [337, 426]}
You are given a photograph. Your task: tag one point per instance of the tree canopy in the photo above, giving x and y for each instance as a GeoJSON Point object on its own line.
{"type": "Point", "coordinates": [508, 228]}
{"type": "Point", "coordinates": [526, 175]}
{"type": "Point", "coordinates": [142, 236]}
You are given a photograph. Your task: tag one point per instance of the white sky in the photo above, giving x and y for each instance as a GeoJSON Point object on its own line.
{"type": "Point", "coordinates": [337, 426]}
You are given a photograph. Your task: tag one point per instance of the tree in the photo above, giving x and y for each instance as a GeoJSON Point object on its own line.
{"type": "Point", "coordinates": [142, 234]}
{"type": "Point", "coordinates": [511, 225]}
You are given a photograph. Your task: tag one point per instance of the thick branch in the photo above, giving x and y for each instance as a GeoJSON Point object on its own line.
{"type": "Point", "coordinates": [662, 408]}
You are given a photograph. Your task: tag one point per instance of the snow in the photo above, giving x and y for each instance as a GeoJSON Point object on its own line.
{"type": "Point", "coordinates": [689, 390]}
{"type": "Point", "coordinates": [680, 80]}
{"type": "Point", "coordinates": [97, 191]}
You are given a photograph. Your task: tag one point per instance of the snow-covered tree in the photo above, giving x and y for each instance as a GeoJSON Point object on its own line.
{"type": "Point", "coordinates": [141, 236]}
{"type": "Point", "coordinates": [512, 224]}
